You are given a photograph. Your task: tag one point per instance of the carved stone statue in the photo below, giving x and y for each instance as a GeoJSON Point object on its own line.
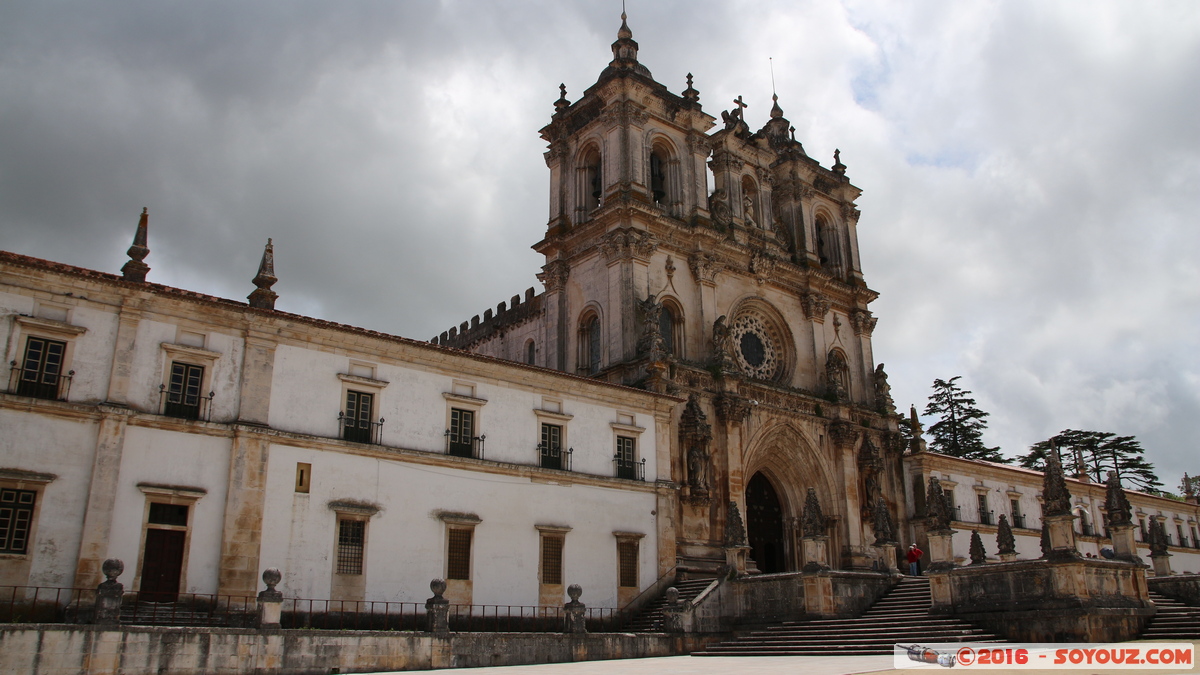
{"type": "Point", "coordinates": [883, 529]}
{"type": "Point", "coordinates": [1005, 541]}
{"type": "Point", "coordinates": [937, 507]}
{"type": "Point", "coordinates": [1056, 499]}
{"type": "Point", "coordinates": [651, 341]}
{"type": "Point", "coordinates": [750, 217]}
{"type": "Point", "coordinates": [835, 365]}
{"type": "Point", "coordinates": [718, 206]}
{"type": "Point", "coordinates": [697, 461]}
{"type": "Point", "coordinates": [694, 436]}
{"type": "Point", "coordinates": [722, 354]}
{"type": "Point", "coordinates": [883, 392]}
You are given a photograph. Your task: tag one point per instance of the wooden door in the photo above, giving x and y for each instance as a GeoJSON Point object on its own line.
{"type": "Point", "coordinates": [162, 565]}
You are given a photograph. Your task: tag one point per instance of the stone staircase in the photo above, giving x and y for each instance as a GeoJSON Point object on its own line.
{"type": "Point", "coordinates": [900, 616]}
{"type": "Point", "coordinates": [1174, 620]}
{"type": "Point", "coordinates": [650, 619]}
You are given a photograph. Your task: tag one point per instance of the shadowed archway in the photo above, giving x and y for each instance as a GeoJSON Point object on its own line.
{"type": "Point", "coordinates": [764, 525]}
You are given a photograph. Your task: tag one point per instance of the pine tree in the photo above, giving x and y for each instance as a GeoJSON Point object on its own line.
{"type": "Point", "coordinates": [1095, 453]}
{"type": "Point", "coordinates": [960, 431]}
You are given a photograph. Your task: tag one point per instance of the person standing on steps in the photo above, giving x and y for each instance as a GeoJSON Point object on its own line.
{"type": "Point", "coordinates": [914, 560]}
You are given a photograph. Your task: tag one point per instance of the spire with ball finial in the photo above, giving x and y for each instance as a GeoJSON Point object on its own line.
{"type": "Point", "coordinates": [263, 297]}
{"type": "Point", "coordinates": [135, 269]}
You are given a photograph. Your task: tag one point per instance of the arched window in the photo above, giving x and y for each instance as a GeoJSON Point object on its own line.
{"type": "Point", "coordinates": [658, 177]}
{"type": "Point", "coordinates": [670, 326]}
{"type": "Point", "coordinates": [828, 246]}
{"type": "Point", "coordinates": [750, 210]}
{"type": "Point", "coordinates": [589, 344]}
{"type": "Point", "coordinates": [591, 180]}
{"type": "Point", "coordinates": [530, 353]}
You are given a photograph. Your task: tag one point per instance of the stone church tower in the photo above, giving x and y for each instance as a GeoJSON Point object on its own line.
{"type": "Point", "coordinates": [745, 296]}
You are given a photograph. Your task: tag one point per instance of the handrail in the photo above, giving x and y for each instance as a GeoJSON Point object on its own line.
{"type": "Point", "coordinates": [639, 602]}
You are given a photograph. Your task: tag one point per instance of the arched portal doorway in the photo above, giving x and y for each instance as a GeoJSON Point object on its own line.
{"type": "Point", "coordinates": [764, 525]}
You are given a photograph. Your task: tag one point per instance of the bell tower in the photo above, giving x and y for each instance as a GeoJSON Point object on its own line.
{"type": "Point", "coordinates": [626, 156]}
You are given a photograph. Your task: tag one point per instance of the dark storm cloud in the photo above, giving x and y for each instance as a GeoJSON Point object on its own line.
{"type": "Point", "coordinates": [1029, 169]}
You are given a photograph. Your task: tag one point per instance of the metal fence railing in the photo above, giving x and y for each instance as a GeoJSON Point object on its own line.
{"type": "Point", "coordinates": [39, 604]}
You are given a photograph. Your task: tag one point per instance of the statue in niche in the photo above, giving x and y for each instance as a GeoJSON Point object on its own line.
{"type": "Point", "coordinates": [720, 337]}
{"type": "Point", "coordinates": [651, 340]}
{"type": "Point", "coordinates": [697, 461]}
{"type": "Point", "coordinates": [748, 209]}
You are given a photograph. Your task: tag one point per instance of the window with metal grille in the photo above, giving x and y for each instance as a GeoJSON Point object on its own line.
{"type": "Point", "coordinates": [626, 460]}
{"type": "Point", "coordinates": [552, 548]}
{"type": "Point", "coordinates": [627, 560]}
{"type": "Point", "coordinates": [356, 425]}
{"type": "Point", "coordinates": [168, 514]}
{"type": "Point", "coordinates": [41, 368]}
{"type": "Point", "coordinates": [462, 432]}
{"type": "Point", "coordinates": [16, 519]}
{"type": "Point", "coordinates": [551, 446]}
{"type": "Point", "coordinates": [351, 539]}
{"type": "Point", "coordinates": [183, 393]}
{"type": "Point", "coordinates": [458, 554]}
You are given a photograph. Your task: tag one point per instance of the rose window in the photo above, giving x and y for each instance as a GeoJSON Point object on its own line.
{"type": "Point", "coordinates": [754, 348]}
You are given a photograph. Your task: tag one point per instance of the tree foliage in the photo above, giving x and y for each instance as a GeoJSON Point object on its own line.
{"type": "Point", "coordinates": [959, 433]}
{"type": "Point", "coordinates": [1095, 453]}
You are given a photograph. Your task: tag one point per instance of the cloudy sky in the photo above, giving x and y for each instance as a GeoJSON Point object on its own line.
{"type": "Point", "coordinates": [1031, 170]}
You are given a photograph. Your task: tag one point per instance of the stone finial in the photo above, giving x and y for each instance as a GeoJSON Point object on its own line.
{"type": "Point", "coordinates": [1044, 542]}
{"type": "Point", "coordinates": [271, 577]}
{"type": "Point", "coordinates": [1055, 496]}
{"type": "Point", "coordinates": [1005, 541]}
{"type": "Point", "coordinates": [916, 444]}
{"type": "Point", "coordinates": [1115, 502]}
{"type": "Point", "coordinates": [813, 522]}
{"type": "Point", "coordinates": [1158, 538]}
{"type": "Point", "coordinates": [112, 568]}
{"type": "Point", "coordinates": [135, 269]}
{"type": "Point", "coordinates": [937, 507]}
{"type": "Point", "coordinates": [263, 297]}
{"type": "Point", "coordinates": [691, 93]}
{"type": "Point", "coordinates": [735, 529]}
{"type": "Point", "coordinates": [562, 103]}
{"type": "Point", "coordinates": [437, 608]}
{"type": "Point", "coordinates": [109, 593]}
{"type": "Point", "coordinates": [574, 618]}
{"type": "Point", "coordinates": [978, 554]}
{"type": "Point", "coordinates": [884, 531]}
{"type": "Point", "coordinates": [838, 167]}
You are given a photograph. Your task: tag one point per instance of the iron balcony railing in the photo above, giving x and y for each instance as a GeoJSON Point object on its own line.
{"type": "Point", "coordinates": [555, 457]}
{"type": "Point", "coordinates": [184, 406]}
{"type": "Point", "coordinates": [629, 469]}
{"type": "Point", "coordinates": [985, 517]}
{"type": "Point", "coordinates": [956, 513]}
{"type": "Point", "coordinates": [471, 447]}
{"type": "Point", "coordinates": [1018, 520]}
{"type": "Point", "coordinates": [38, 384]}
{"type": "Point", "coordinates": [360, 431]}
{"type": "Point", "coordinates": [1086, 529]}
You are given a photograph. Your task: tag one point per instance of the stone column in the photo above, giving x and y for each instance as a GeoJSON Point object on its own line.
{"type": "Point", "coordinates": [245, 502]}
{"type": "Point", "coordinates": [941, 550]}
{"type": "Point", "coordinates": [258, 371]}
{"type": "Point", "coordinates": [574, 611]}
{"type": "Point", "coordinates": [1124, 542]}
{"type": "Point", "coordinates": [109, 594]}
{"type": "Point", "coordinates": [270, 601]}
{"type": "Point", "coordinates": [1061, 528]}
{"type": "Point", "coordinates": [437, 608]}
{"type": "Point", "coordinates": [97, 519]}
{"type": "Point", "coordinates": [123, 352]}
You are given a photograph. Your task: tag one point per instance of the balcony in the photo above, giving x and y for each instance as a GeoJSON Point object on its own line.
{"type": "Point", "coordinates": [360, 431]}
{"type": "Point", "coordinates": [629, 469]}
{"type": "Point", "coordinates": [555, 457]}
{"type": "Point", "coordinates": [39, 384]}
{"type": "Point", "coordinates": [188, 406]}
{"type": "Point", "coordinates": [1018, 520]}
{"type": "Point", "coordinates": [471, 447]}
{"type": "Point", "coordinates": [986, 517]}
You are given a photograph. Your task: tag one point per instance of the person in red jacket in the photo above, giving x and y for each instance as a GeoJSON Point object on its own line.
{"type": "Point", "coordinates": [914, 559]}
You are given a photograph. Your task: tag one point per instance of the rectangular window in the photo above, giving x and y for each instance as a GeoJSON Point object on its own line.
{"type": "Point", "coordinates": [551, 447]}
{"type": "Point", "coordinates": [552, 548]}
{"type": "Point", "coordinates": [462, 432]}
{"type": "Point", "coordinates": [985, 515]}
{"type": "Point", "coordinates": [351, 541]}
{"type": "Point", "coordinates": [626, 458]}
{"type": "Point", "coordinates": [458, 554]}
{"type": "Point", "coordinates": [356, 421]}
{"type": "Point", "coordinates": [168, 514]}
{"type": "Point", "coordinates": [41, 369]}
{"type": "Point", "coordinates": [951, 504]}
{"type": "Point", "coordinates": [627, 560]}
{"type": "Point", "coordinates": [303, 476]}
{"type": "Point", "coordinates": [183, 392]}
{"type": "Point", "coordinates": [16, 519]}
